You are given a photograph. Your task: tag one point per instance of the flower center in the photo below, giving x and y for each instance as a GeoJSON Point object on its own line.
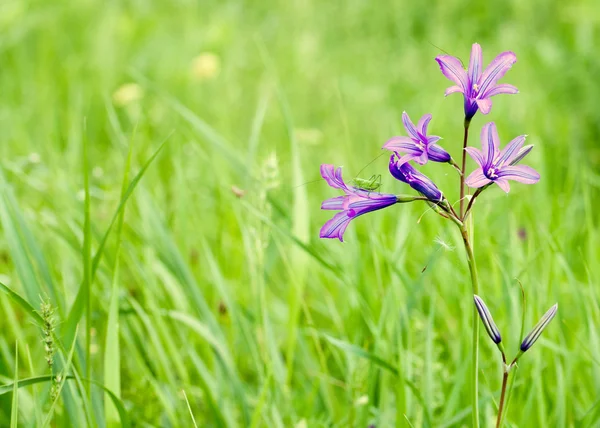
{"type": "Point", "coordinates": [492, 172]}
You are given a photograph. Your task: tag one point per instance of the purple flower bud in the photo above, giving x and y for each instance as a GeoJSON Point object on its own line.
{"type": "Point", "coordinates": [522, 153]}
{"type": "Point", "coordinates": [539, 328]}
{"type": "Point", "coordinates": [420, 182]}
{"type": "Point", "coordinates": [488, 321]}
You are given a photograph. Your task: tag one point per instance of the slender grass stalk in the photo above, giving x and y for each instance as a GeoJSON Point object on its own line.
{"type": "Point", "coordinates": [475, 355]}
{"type": "Point", "coordinates": [464, 167]}
{"type": "Point", "coordinates": [87, 250]}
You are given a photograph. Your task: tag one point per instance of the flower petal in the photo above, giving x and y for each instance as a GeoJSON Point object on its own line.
{"type": "Point", "coordinates": [420, 182]}
{"type": "Point", "coordinates": [485, 105]}
{"type": "Point", "coordinates": [453, 69]}
{"type": "Point", "coordinates": [453, 89]}
{"type": "Point", "coordinates": [521, 173]}
{"type": "Point", "coordinates": [475, 66]}
{"type": "Point", "coordinates": [489, 142]}
{"type": "Point", "coordinates": [476, 179]}
{"type": "Point", "coordinates": [497, 68]}
{"type": "Point", "coordinates": [402, 145]}
{"type": "Point", "coordinates": [336, 226]}
{"type": "Point", "coordinates": [503, 184]}
{"type": "Point", "coordinates": [422, 159]}
{"type": "Point", "coordinates": [336, 203]}
{"type": "Point", "coordinates": [404, 159]}
{"type": "Point", "coordinates": [423, 123]}
{"type": "Point", "coordinates": [333, 176]}
{"type": "Point", "coordinates": [410, 127]}
{"type": "Point", "coordinates": [433, 139]}
{"type": "Point", "coordinates": [437, 153]}
{"type": "Point", "coordinates": [503, 88]}
{"type": "Point", "coordinates": [522, 153]}
{"type": "Point", "coordinates": [510, 152]}
{"type": "Point", "coordinates": [476, 155]}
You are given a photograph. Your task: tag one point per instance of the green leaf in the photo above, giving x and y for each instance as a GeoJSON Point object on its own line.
{"type": "Point", "coordinates": [4, 389]}
{"type": "Point", "coordinates": [78, 306]}
{"type": "Point", "coordinates": [14, 414]}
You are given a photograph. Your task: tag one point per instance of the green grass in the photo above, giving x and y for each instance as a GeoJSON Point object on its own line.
{"type": "Point", "coordinates": [211, 309]}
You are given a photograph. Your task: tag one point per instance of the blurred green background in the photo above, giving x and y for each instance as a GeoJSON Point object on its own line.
{"type": "Point", "coordinates": [225, 305]}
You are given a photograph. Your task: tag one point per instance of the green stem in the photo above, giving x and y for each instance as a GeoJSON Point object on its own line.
{"type": "Point", "coordinates": [475, 355]}
{"type": "Point", "coordinates": [463, 168]}
{"type": "Point", "coordinates": [510, 389]}
{"type": "Point", "coordinates": [502, 396]}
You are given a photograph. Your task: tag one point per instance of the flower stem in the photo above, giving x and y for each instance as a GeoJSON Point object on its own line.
{"type": "Point", "coordinates": [475, 350]}
{"type": "Point", "coordinates": [502, 396]}
{"type": "Point", "coordinates": [464, 166]}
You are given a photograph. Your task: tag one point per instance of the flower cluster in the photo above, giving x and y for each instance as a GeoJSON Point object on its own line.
{"type": "Point", "coordinates": [477, 85]}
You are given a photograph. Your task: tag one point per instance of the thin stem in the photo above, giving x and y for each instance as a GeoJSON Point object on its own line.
{"type": "Point", "coordinates": [464, 166]}
{"type": "Point", "coordinates": [471, 202]}
{"type": "Point", "coordinates": [502, 396]}
{"type": "Point", "coordinates": [475, 355]}
{"type": "Point", "coordinates": [514, 369]}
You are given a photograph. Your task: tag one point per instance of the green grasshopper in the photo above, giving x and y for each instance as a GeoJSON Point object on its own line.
{"type": "Point", "coordinates": [371, 185]}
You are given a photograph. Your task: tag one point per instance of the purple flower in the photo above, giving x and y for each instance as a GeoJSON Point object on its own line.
{"type": "Point", "coordinates": [354, 203]}
{"type": "Point", "coordinates": [497, 166]}
{"type": "Point", "coordinates": [417, 146]}
{"type": "Point", "coordinates": [406, 173]}
{"type": "Point", "coordinates": [539, 328]}
{"type": "Point", "coordinates": [477, 86]}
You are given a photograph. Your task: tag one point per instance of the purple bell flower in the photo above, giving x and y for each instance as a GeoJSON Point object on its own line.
{"type": "Point", "coordinates": [406, 173]}
{"type": "Point", "coordinates": [417, 146]}
{"type": "Point", "coordinates": [353, 204]}
{"type": "Point", "coordinates": [497, 166]}
{"type": "Point", "coordinates": [477, 85]}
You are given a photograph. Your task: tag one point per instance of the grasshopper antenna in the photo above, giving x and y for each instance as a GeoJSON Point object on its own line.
{"type": "Point", "coordinates": [365, 167]}
{"type": "Point", "coordinates": [442, 50]}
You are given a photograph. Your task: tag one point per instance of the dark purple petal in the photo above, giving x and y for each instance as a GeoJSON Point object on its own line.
{"type": "Point", "coordinates": [485, 105]}
{"type": "Point", "coordinates": [475, 64]}
{"type": "Point", "coordinates": [452, 89]}
{"type": "Point", "coordinates": [402, 145]}
{"type": "Point", "coordinates": [497, 68]}
{"type": "Point", "coordinates": [490, 142]}
{"type": "Point", "coordinates": [420, 182]}
{"type": "Point", "coordinates": [477, 179]}
{"type": "Point", "coordinates": [504, 88]}
{"type": "Point", "coordinates": [336, 226]}
{"type": "Point", "coordinates": [423, 123]}
{"type": "Point", "coordinates": [336, 203]}
{"type": "Point", "coordinates": [521, 173]}
{"type": "Point", "coordinates": [470, 108]}
{"type": "Point", "coordinates": [437, 154]}
{"type": "Point", "coordinates": [333, 176]}
{"type": "Point", "coordinates": [503, 184]}
{"type": "Point", "coordinates": [476, 155]}
{"type": "Point", "coordinates": [410, 127]}
{"type": "Point", "coordinates": [511, 151]}
{"type": "Point", "coordinates": [453, 69]}
{"type": "Point", "coordinates": [366, 201]}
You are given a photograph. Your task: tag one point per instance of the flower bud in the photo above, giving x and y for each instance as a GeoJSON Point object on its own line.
{"type": "Point", "coordinates": [539, 328]}
{"type": "Point", "coordinates": [488, 321]}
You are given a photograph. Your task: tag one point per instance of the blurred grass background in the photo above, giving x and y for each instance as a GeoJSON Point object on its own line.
{"type": "Point", "coordinates": [221, 302]}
